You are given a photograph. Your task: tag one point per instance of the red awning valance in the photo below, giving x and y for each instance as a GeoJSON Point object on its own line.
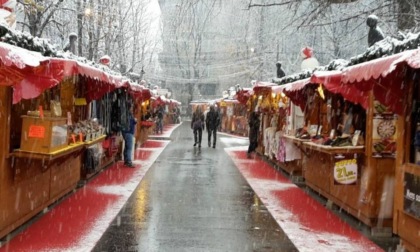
{"type": "Point", "coordinates": [375, 69]}
{"type": "Point", "coordinates": [295, 91]}
{"type": "Point", "coordinates": [243, 95]}
{"type": "Point", "coordinates": [332, 81]}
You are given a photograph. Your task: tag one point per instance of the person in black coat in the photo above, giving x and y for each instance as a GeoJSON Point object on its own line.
{"type": "Point", "coordinates": [254, 126]}
{"type": "Point", "coordinates": [197, 125]}
{"type": "Point", "coordinates": [212, 123]}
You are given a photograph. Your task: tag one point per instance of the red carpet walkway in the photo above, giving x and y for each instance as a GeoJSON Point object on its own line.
{"type": "Point", "coordinates": [79, 221]}
{"type": "Point", "coordinates": [307, 223]}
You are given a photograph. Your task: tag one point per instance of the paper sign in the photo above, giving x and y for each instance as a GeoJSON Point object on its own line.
{"type": "Point", "coordinates": [345, 171]}
{"type": "Point", "coordinates": [36, 131]}
{"type": "Point", "coordinates": [412, 194]}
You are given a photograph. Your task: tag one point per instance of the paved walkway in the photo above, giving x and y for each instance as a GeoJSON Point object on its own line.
{"type": "Point", "coordinates": [201, 195]}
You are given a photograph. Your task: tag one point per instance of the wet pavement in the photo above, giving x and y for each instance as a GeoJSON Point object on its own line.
{"type": "Point", "coordinates": [181, 198]}
{"type": "Point", "coordinates": [193, 199]}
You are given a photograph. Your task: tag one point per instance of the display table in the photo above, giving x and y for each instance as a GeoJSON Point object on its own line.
{"type": "Point", "coordinates": [342, 175]}
{"type": "Point", "coordinates": [293, 165]}
{"type": "Point", "coordinates": [38, 180]}
{"type": "Point", "coordinates": [46, 157]}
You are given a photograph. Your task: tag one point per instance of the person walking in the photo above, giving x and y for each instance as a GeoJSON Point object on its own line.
{"type": "Point", "coordinates": [128, 135]}
{"type": "Point", "coordinates": [159, 120]}
{"type": "Point", "coordinates": [212, 123]}
{"type": "Point", "coordinates": [254, 126]}
{"type": "Point", "coordinates": [197, 125]}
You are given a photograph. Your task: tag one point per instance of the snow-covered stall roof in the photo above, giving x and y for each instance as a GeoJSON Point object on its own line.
{"type": "Point", "coordinates": [31, 65]}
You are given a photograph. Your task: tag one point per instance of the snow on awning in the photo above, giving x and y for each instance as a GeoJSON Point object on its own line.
{"type": "Point", "coordinates": [175, 102]}
{"type": "Point", "coordinates": [52, 71]}
{"type": "Point", "coordinates": [231, 101]}
{"type": "Point", "coordinates": [15, 56]}
{"type": "Point", "coordinates": [374, 69]}
{"type": "Point", "coordinates": [261, 86]}
{"type": "Point", "coordinates": [384, 77]}
{"type": "Point", "coordinates": [291, 87]}
{"type": "Point", "coordinates": [294, 90]}
{"type": "Point", "coordinates": [30, 74]}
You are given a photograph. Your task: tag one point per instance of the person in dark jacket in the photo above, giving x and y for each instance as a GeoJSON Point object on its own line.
{"type": "Point", "coordinates": [212, 123]}
{"type": "Point", "coordinates": [254, 126]}
{"type": "Point", "coordinates": [159, 120]}
{"type": "Point", "coordinates": [128, 135]}
{"type": "Point", "coordinates": [197, 124]}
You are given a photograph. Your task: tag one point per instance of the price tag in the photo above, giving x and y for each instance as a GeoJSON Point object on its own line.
{"type": "Point", "coordinates": [36, 131]}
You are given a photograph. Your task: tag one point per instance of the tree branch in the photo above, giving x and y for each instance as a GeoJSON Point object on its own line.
{"type": "Point", "coordinates": [250, 5]}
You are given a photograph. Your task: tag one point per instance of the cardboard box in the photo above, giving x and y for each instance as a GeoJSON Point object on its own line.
{"type": "Point", "coordinates": [43, 135]}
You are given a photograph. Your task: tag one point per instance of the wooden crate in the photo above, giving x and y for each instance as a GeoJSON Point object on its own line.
{"type": "Point", "coordinates": [43, 135]}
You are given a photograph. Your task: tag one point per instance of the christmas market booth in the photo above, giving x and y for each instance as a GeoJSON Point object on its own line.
{"type": "Point", "coordinates": [161, 105]}
{"type": "Point", "coordinates": [57, 129]}
{"type": "Point", "coordinates": [359, 144]}
{"type": "Point", "coordinates": [233, 116]}
{"type": "Point", "coordinates": [347, 151]}
{"type": "Point", "coordinates": [335, 139]}
{"type": "Point", "coordinates": [202, 104]}
{"type": "Point", "coordinates": [275, 109]}
{"type": "Point", "coordinates": [393, 107]}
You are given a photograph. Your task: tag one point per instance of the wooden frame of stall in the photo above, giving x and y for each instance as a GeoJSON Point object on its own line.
{"type": "Point", "coordinates": [237, 123]}
{"type": "Point", "coordinates": [32, 180]}
{"type": "Point", "coordinates": [146, 124]}
{"type": "Point", "coordinates": [407, 175]}
{"type": "Point", "coordinates": [70, 89]}
{"type": "Point", "coordinates": [362, 195]}
{"type": "Point", "coordinates": [265, 93]}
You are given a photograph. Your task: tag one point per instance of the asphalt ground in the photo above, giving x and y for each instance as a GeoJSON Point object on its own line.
{"type": "Point", "coordinates": [193, 199]}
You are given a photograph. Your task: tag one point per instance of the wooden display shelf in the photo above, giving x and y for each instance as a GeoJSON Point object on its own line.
{"type": "Point", "coordinates": [334, 150]}
{"type": "Point", "coordinates": [95, 141]}
{"type": "Point", "coordinates": [44, 156]}
{"type": "Point", "coordinates": [295, 139]}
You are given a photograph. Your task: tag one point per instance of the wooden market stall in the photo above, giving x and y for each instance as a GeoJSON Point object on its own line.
{"type": "Point", "coordinates": [274, 143]}
{"type": "Point", "coordinates": [233, 116]}
{"type": "Point", "coordinates": [340, 160]}
{"type": "Point", "coordinates": [43, 156]}
{"type": "Point", "coordinates": [346, 143]}
{"type": "Point", "coordinates": [139, 98]}
{"type": "Point", "coordinates": [395, 94]}
{"type": "Point", "coordinates": [203, 104]}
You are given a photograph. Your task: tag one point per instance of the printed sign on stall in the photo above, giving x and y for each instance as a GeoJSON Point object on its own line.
{"type": "Point", "coordinates": [345, 171]}
{"type": "Point", "coordinates": [36, 131]}
{"type": "Point", "coordinates": [384, 132]}
{"type": "Point", "coordinates": [412, 194]}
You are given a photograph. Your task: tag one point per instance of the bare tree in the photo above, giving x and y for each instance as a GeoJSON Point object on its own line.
{"type": "Point", "coordinates": [404, 12]}
{"type": "Point", "coordinates": [39, 14]}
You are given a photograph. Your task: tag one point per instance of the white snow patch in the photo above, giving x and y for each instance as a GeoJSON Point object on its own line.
{"type": "Point", "coordinates": [236, 148]}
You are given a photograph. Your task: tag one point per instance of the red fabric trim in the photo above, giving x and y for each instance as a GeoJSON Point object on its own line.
{"type": "Point", "coordinates": [6, 8]}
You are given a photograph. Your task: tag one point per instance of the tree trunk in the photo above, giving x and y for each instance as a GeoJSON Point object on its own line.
{"type": "Point", "coordinates": [406, 14]}
{"type": "Point", "coordinates": [80, 27]}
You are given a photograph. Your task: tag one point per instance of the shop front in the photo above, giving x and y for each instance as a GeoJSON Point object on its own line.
{"type": "Point", "coordinates": [394, 84]}
{"type": "Point", "coordinates": [59, 121]}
